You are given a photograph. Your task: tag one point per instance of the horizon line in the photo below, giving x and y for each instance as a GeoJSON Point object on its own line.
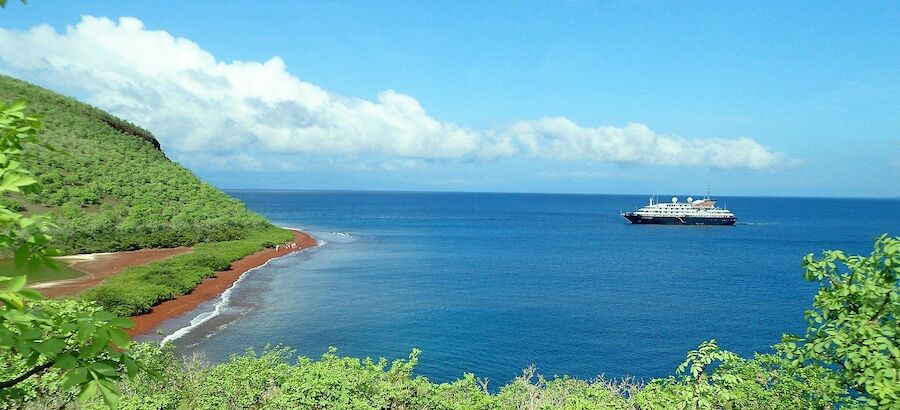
{"type": "Point", "coordinates": [401, 191]}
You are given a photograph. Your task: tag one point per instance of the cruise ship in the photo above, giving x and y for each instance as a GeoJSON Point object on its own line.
{"type": "Point", "coordinates": [693, 212]}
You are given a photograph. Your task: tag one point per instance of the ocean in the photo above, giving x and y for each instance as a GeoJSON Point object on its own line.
{"type": "Point", "coordinates": [493, 283]}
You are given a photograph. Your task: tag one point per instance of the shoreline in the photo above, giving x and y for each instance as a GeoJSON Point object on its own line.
{"type": "Point", "coordinates": [213, 287]}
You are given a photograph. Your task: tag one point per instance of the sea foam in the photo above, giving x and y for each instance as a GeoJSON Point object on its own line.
{"type": "Point", "coordinates": [224, 300]}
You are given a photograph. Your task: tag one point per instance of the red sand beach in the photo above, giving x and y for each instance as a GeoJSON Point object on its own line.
{"type": "Point", "coordinates": [212, 287]}
{"type": "Point", "coordinates": [99, 266]}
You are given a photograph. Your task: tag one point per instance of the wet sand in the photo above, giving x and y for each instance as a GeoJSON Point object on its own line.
{"type": "Point", "coordinates": [212, 287]}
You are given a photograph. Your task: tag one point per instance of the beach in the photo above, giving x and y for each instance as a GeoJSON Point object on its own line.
{"type": "Point", "coordinates": [213, 287]}
{"type": "Point", "coordinates": [99, 266]}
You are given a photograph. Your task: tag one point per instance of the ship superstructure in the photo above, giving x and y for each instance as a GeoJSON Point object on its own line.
{"type": "Point", "coordinates": [693, 212]}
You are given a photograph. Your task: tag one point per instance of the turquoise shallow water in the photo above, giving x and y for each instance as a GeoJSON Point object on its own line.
{"type": "Point", "coordinates": [491, 283]}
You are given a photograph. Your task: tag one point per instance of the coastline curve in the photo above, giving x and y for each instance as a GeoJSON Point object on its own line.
{"type": "Point", "coordinates": [214, 287]}
{"type": "Point", "coordinates": [224, 299]}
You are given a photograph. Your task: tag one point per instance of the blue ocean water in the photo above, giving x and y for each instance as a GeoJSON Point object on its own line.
{"type": "Point", "coordinates": [492, 283]}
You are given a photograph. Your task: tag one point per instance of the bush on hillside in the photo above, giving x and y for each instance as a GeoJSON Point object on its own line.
{"type": "Point", "coordinates": [111, 189]}
{"type": "Point", "coordinates": [274, 380]}
{"type": "Point", "coordinates": [137, 289]}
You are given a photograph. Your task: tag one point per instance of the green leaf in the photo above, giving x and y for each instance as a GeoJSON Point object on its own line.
{"type": "Point", "coordinates": [99, 344]}
{"type": "Point", "coordinates": [32, 357]}
{"type": "Point", "coordinates": [17, 105]}
{"type": "Point", "coordinates": [21, 254]}
{"type": "Point", "coordinates": [74, 377]}
{"type": "Point", "coordinates": [31, 334]}
{"type": "Point", "coordinates": [119, 337]}
{"type": "Point", "coordinates": [13, 300]}
{"type": "Point", "coordinates": [104, 316]}
{"type": "Point", "coordinates": [17, 180]}
{"type": "Point", "coordinates": [6, 339]}
{"type": "Point", "coordinates": [16, 283]}
{"type": "Point", "coordinates": [110, 393]}
{"type": "Point", "coordinates": [31, 294]}
{"type": "Point", "coordinates": [65, 361]}
{"type": "Point", "coordinates": [86, 329]}
{"type": "Point", "coordinates": [122, 322]}
{"type": "Point", "coordinates": [34, 263]}
{"type": "Point", "coordinates": [88, 390]}
{"type": "Point", "coordinates": [104, 369]}
{"type": "Point", "coordinates": [130, 366]}
{"type": "Point", "coordinates": [49, 347]}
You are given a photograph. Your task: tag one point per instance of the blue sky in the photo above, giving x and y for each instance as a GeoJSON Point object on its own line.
{"type": "Point", "coordinates": [782, 99]}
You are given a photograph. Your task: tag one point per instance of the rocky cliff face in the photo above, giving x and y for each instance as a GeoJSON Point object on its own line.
{"type": "Point", "coordinates": [128, 128]}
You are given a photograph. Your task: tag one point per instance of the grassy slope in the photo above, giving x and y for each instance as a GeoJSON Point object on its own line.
{"type": "Point", "coordinates": [111, 189]}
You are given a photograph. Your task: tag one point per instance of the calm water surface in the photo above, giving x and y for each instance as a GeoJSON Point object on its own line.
{"type": "Point", "coordinates": [491, 283]}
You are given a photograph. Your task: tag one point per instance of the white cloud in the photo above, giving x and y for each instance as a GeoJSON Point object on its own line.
{"type": "Point", "coordinates": [230, 161]}
{"type": "Point", "coordinates": [562, 139]}
{"type": "Point", "coordinates": [195, 103]}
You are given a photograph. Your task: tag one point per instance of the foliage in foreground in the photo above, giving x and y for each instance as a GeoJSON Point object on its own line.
{"type": "Point", "coordinates": [81, 345]}
{"type": "Point", "coordinates": [853, 324]}
{"type": "Point", "coordinates": [138, 289]}
{"type": "Point", "coordinates": [64, 345]}
{"type": "Point", "coordinates": [272, 381]}
{"type": "Point", "coordinates": [109, 187]}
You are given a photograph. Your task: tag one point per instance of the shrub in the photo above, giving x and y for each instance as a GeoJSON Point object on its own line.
{"type": "Point", "coordinates": [105, 161]}
{"type": "Point", "coordinates": [137, 289]}
{"type": "Point", "coordinates": [215, 262]}
{"type": "Point", "coordinates": [853, 325]}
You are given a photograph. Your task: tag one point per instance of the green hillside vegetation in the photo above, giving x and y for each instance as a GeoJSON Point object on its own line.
{"type": "Point", "coordinates": [273, 380]}
{"type": "Point", "coordinates": [85, 346]}
{"type": "Point", "coordinates": [109, 186]}
{"type": "Point", "coordinates": [139, 288]}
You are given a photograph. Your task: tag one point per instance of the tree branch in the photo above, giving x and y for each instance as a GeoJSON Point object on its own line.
{"type": "Point", "coordinates": [32, 372]}
{"type": "Point", "coordinates": [887, 299]}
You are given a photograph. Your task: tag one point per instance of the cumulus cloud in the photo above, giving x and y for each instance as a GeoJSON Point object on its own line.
{"type": "Point", "coordinates": [562, 139]}
{"type": "Point", "coordinates": [195, 103]}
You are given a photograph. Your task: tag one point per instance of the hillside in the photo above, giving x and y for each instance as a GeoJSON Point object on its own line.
{"type": "Point", "coordinates": [111, 188]}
